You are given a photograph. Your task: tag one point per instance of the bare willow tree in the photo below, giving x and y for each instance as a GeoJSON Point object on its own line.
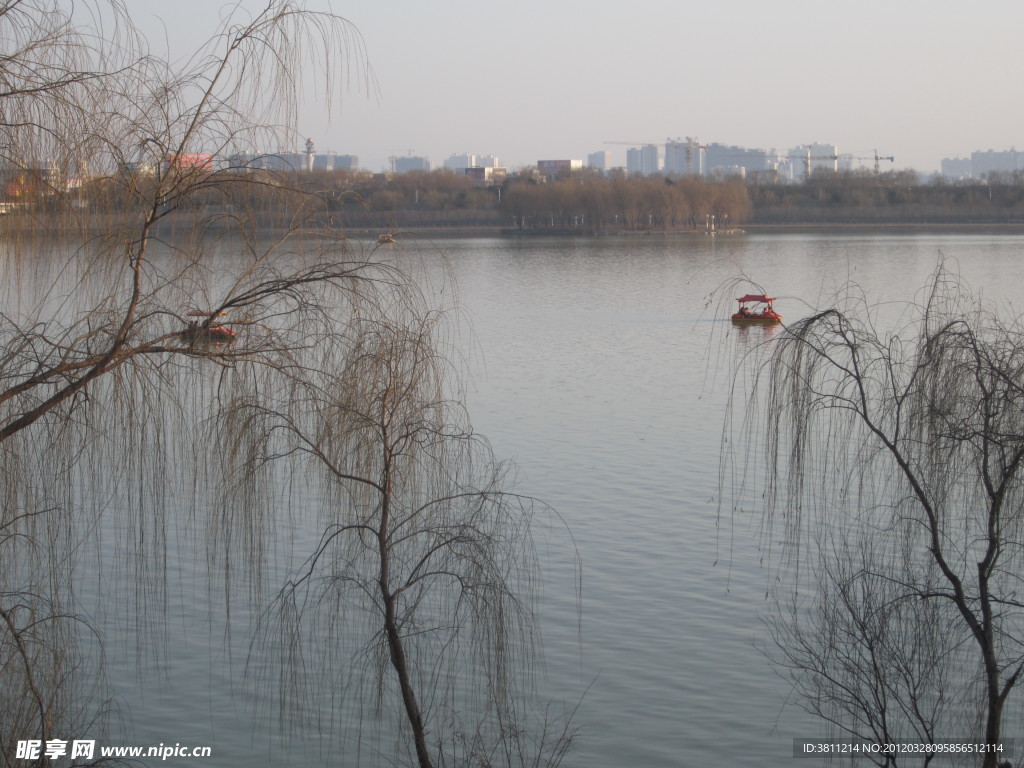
{"type": "Point", "coordinates": [164, 297]}
{"type": "Point", "coordinates": [425, 574]}
{"type": "Point", "coordinates": [894, 482]}
{"type": "Point", "coordinates": [169, 117]}
{"type": "Point", "coordinates": [114, 233]}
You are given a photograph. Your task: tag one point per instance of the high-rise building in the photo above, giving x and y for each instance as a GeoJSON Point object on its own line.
{"type": "Point", "coordinates": [643, 160]}
{"type": "Point", "coordinates": [459, 163]}
{"type": "Point", "coordinates": [722, 159]}
{"type": "Point", "coordinates": [956, 167]}
{"type": "Point", "coordinates": [600, 161]}
{"type": "Point", "coordinates": [992, 161]}
{"type": "Point", "coordinates": [410, 163]}
{"type": "Point", "coordinates": [280, 161]}
{"type": "Point", "coordinates": [684, 157]}
{"type": "Point", "coordinates": [324, 161]}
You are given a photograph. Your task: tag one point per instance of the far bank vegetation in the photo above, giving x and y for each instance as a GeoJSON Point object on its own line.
{"type": "Point", "coordinates": [585, 203]}
{"type": "Point", "coordinates": [591, 202]}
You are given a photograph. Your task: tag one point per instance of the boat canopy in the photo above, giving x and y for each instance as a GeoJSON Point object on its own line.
{"type": "Point", "coordinates": [753, 297]}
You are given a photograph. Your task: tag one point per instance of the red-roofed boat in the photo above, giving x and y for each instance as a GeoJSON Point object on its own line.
{"type": "Point", "coordinates": [761, 313]}
{"type": "Point", "coordinates": [208, 330]}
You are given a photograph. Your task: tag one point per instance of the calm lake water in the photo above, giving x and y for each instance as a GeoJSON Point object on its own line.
{"type": "Point", "coordinates": [601, 367]}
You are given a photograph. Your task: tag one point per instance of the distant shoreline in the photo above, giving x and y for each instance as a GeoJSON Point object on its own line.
{"type": "Point", "coordinates": [786, 228]}
{"type": "Point", "coordinates": [43, 227]}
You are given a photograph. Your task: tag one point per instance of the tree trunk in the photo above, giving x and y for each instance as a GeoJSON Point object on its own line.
{"type": "Point", "coordinates": [394, 638]}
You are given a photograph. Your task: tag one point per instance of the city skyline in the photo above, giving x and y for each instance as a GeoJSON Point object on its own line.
{"type": "Point", "coordinates": [920, 81]}
{"type": "Point", "coordinates": [676, 157]}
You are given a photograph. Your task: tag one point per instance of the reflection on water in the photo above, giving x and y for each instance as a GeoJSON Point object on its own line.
{"type": "Point", "coordinates": [606, 379]}
{"type": "Point", "coordinates": [600, 367]}
{"type": "Point", "coordinates": [749, 335]}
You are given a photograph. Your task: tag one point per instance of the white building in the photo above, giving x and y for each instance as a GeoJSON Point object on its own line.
{"type": "Point", "coordinates": [459, 163]}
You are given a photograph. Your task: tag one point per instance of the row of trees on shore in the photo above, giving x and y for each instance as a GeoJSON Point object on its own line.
{"type": "Point", "coordinates": [590, 202]}
{"type": "Point", "coordinates": [895, 197]}
{"type": "Point", "coordinates": [584, 203]}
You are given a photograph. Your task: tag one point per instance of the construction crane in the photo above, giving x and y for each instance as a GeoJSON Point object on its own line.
{"type": "Point", "coordinates": [690, 141]}
{"type": "Point", "coordinates": [890, 158]}
{"type": "Point", "coordinates": [392, 158]}
{"type": "Point", "coordinates": [689, 145]}
{"type": "Point", "coordinates": [809, 157]}
{"type": "Point", "coordinates": [876, 157]}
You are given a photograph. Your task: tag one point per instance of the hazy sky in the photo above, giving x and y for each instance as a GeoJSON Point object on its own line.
{"type": "Point", "coordinates": [529, 80]}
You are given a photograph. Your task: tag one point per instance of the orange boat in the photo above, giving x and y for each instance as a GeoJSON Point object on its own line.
{"type": "Point", "coordinates": [207, 331]}
{"type": "Point", "coordinates": [220, 333]}
{"type": "Point", "coordinates": [763, 315]}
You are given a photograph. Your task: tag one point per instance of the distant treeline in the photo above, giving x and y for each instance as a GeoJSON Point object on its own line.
{"type": "Point", "coordinates": [889, 198]}
{"type": "Point", "coordinates": [583, 203]}
{"type": "Point", "coordinates": [588, 202]}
